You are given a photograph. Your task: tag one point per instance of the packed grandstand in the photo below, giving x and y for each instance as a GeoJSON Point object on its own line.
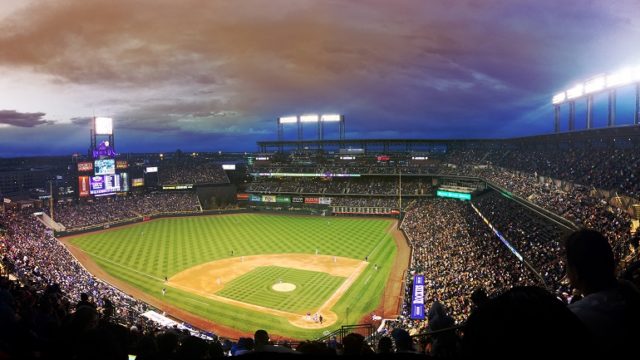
{"type": "Point", "coordinates": [534, 197]}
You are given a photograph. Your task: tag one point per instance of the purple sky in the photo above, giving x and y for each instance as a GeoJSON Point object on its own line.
{"type": "Point", "coordinates": [208, 75]}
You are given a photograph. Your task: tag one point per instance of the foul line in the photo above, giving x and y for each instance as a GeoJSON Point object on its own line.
{"type": "Point", "coordinates": [382, 240]}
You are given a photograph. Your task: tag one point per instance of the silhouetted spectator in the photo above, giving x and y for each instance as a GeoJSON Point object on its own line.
{"type": "Point", "coordinates": [443, 344]}
{"type": "Point", "coordinates": [385, 345]}
{"type": "Point", "coordinates": [479, 297]}
{"type": "Point", "coordinates": [193, 348]}
{"type": "Point", "coordinates": [262, 344]}
{"type": "Point", "coordinates": [610, 308]}
{"type": "Point", "coordinates": [525, 321]}
{"type": "Point", "coordinates": [354, 344]}
{"type": "Point", "coordinates": [403, 341]}
{"type": "Point", "coordinates": [84, 301]}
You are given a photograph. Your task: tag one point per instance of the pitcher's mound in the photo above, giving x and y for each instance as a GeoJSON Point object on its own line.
{"type": "Point", "coordinates": [283, 287]}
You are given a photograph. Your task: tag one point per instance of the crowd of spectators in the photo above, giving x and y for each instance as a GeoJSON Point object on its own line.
{"type": "Point", "coordinates": [105, 210]}
{"type": "Point", "coordinates": [51, 298]}
{"type": "Point", "coordinates": [458, 254]}
{"type": "Point", "coordinates": [536, 239]}
{"type": "Point", "coordinates": [190, 171]}
{"type": "Point", "coordinates": [608, 169]}
{"type": "Point", "coordinates": [576, 203]}
{"type": "Point", "coordinates": [368, 185]}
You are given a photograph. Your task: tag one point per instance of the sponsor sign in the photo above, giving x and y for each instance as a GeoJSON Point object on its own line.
{"type": "Point", "coordinates": [85, 166]}
{"type": "Point", "coordinates": [417, 298]}
{"type": "Point", "coordinates": [255, 198]}
{"type": "Point", "coordinates": [83, 186]}
{"type": "Point", "coordinates": [311, 200]}
{"type": "Point", "coordinates": [283, 199]}
{"type": "Point", "coordinates": [122, 164]}
{"type": "Point", "coordinates": [269, 198]}
{"type": "Point", "coordinates": [124, 181]}
{"type": "Point", "coordinates": [242, 196]}
{"type": "Point", "coordinates": [297, 199]}
{"type": "Point", "coordinates": [324, 201]}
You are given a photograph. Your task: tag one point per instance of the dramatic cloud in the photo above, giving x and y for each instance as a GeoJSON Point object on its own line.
{"type": "Point", "coordinates": [25, 120]}
{"type": "Point", "coordinates": [179, 70]}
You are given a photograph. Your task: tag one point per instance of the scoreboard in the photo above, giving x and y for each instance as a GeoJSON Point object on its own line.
{"type": "Point", "coordinates": [104, 184]}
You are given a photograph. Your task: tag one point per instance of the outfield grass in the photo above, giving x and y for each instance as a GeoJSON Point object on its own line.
{"type": "Point", "coordinates": [312, 288]}
{"type": "Point", "coordinates": [144, 254]}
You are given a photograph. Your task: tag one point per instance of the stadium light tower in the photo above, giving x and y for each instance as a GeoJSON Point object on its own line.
{"type": "Point", "coordinates": [609, 84]}
{"type": "Point", "coordinates": [319, 120]}
{"type": "Point", "coordinates": [102, 126]}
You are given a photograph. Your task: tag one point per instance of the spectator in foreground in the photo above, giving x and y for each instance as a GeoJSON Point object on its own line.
{"type": "Point", "coordinates": [262, 344]}
{"type": "Point", "coordinates": [354, 344]}
{"type": "Point", "coordinates": [610, 308]}
{"type": "Point", "coordinates": [525, 321]}
{"type": "Point", "coordinates": [385, 345]}
{"type": "Point", "coordinates": [443, 344]}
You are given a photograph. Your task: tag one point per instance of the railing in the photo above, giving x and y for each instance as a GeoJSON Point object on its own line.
{"type": "Point", "coordinates": [366, 330]}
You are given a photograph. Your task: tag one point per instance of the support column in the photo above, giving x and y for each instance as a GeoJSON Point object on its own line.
{"type": "Point", "coordinates": [556, 118]}
{"type": "Point", "coordinates": [611, 120]}
{"type": "Point", "coordinates": [572, 115]}
{"type": "Point", "coordinates": [636, 118]}
{"type": "Point", "coordinates": [590, 112]}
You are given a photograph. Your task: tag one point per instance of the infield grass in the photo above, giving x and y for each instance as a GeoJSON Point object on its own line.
{"type": "Point", "coordinates": [144, 254]}
{"type": "Point", "coordinates": [312, 288]}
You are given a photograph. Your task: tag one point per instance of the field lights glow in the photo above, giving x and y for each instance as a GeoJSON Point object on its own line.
{"type": "Point", "coordinates": [575, 91]}
{"type": "Point", "coordinates": [309, 118]}
{"type": "Point", "coordinates": [559, 98]}
{"type": "Point", "coordinates": [594, 85]}
{"type": "Point", "coordinates": [625, 76]}
{"type": "Point", "coordinates": [288, 120]}
{"type": "Point", "coordinates": [104, 126]}
{"type": "Point", "coordinates": [330, 118]}
{"type": "Point", "coordinates": [622, 77]}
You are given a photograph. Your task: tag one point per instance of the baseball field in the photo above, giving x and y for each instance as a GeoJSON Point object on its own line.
{"type": "Point", "coordinates": [238, 273]}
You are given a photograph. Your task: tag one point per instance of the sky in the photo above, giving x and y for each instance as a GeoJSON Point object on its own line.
{"type": "Point", "coordinates": [210, 75]}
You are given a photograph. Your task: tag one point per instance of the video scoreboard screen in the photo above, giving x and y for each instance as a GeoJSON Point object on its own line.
{"type": "Point", "coordinates": [105, 167]}
{"type": "Point", "coordinates": [103, 185]}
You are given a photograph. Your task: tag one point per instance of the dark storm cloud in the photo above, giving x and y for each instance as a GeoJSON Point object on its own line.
{"type": "Point", "coordinates": [81, 120]}
{"type": "Point", "coordinates": [25, 120]}
{"type": "Point", "coordinates": [429, 68]}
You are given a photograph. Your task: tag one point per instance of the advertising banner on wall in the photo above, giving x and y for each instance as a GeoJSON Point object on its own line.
{"type": "Point", "coordinates": [83, 186]}
{"type": "Point", "coordinates": [85, 166]}
{"type": "Point", "coordinates": [283, 199]}
{"type": "Point", "coordinates": [124, 181]}
{"type": "Point", "coordinates": [311, 200]}
{"type": "Point", "coordinates": [255, 198]}
{"type": "Point", "coordinates": [269, 198]}
{"type": "Point", "coordinates": [417, 298]}
{"type": "Point", "coordinates": [324, 201]}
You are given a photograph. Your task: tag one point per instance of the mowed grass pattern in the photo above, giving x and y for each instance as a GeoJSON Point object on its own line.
{"type": "Point", "coordinates": [312, 288]}
{"type": "Point", "coordinates": [144, 253]}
